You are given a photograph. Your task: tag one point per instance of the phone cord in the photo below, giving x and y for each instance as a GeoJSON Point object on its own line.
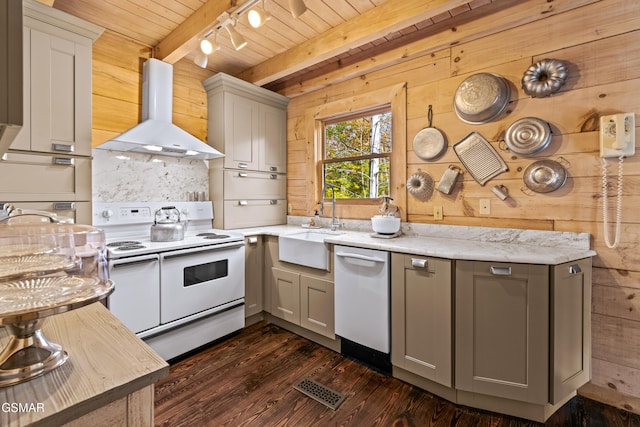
{"type": "Point", "coordinates": [605, 207]}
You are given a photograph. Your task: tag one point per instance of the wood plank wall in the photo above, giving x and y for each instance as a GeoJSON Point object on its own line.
{"type": "Point", "coordinates": [600, 41]}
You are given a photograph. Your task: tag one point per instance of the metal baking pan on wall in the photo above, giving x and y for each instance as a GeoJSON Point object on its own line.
{"type": "Point", "coordinates": [479, 157]}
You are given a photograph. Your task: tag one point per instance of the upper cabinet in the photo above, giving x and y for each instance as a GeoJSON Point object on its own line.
{"type": "Point", "coordinates": [57, 82]}
{"type": "Point", "coordinates": [247, 123]}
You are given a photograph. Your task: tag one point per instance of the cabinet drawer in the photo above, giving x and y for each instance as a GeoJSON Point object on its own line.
{"type": "Point", "coordinates": [28, 177]}
{"type": "Point", "coordinates": [254, 213]}
{"type": "Point", "coordinates": [254, 185]}
{"type": "Point", "coordinates": [80, 212]}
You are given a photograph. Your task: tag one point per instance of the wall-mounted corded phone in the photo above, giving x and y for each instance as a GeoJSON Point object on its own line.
{"type": "Point", "coordinates": [617, 139]}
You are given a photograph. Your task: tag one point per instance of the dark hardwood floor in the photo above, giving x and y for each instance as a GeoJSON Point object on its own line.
{"type": "Point", "coordinates": [247, 379]}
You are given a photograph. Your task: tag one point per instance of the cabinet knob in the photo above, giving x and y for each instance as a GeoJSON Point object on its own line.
{"type": "Point", "coordinates": [243, 165]}
{"type": "Point", "coordinates": [501, 271]}
{"type": "Point", "coordinates": [242, 203]}
{"type": "Point", "coordinates": [273, 168]}
{"type": "Point", "coordinates": [243, 174]}
{"type": "Point", "coordinates": [273, 202]}
{"type": "Point", "coordinates": [417, 262]}
{"type": "Point", "coordinates": [575, 269]}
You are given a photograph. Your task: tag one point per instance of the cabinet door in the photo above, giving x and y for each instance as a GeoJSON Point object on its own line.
{"type": "Point", "coordinates": [254, 261]}
{"type": "Point", "coordinates": [570, 327]}
{"type": "Point", "coordinates": [502, 330]}
{"type": "Point", "coordinates": [316, 305]}
{"type": "Point", "coordinates": [285, 295]}
{"type": "Point", "coordinates": [241, 124]}
{"type": "Point", "coordinates": [421, 316]}
{"type": "Point", "coordinates": [273, 134]}
{"type": "Point", "coordinates": [57, 93]}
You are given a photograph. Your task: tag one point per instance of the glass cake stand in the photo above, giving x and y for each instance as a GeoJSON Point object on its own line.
{"type": "Point", "coordinates": [24, 305]}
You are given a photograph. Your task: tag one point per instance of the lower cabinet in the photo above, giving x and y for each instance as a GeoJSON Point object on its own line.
{"type": "Point", "coordinates": [502, 330]}
{"type": "Point", "coordinates": [422, 316]}
{"type": "Point", "coordinates": [254, 267]}
{"type": "Point", "coordinates": [303, 300]}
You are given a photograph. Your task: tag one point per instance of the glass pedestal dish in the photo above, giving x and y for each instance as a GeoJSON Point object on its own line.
{"type": "Point", "coordinates": [45, 269]}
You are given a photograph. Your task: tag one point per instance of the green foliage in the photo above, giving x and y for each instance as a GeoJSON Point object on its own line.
{"type": "Point", "coordinates": [349, 141]}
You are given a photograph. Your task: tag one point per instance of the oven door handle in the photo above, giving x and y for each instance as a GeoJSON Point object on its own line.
{"type": "Point", "coordinates": [127, 263]}
{"type": "Point", "coordinates": [193, 251]}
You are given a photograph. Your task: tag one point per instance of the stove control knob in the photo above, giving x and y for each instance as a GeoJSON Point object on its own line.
{"type": "Point", "coordinates": [107, 213]}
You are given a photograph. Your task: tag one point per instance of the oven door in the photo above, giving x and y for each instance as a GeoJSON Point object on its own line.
{"type": "Point", "coordinates": [199, 279]}
{"type": "Point", "coordinates": [136, 298]}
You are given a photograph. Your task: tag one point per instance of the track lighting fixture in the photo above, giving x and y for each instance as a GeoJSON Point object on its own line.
{"type": "Point", "coordinates": [258, 16]}
{"type": "Point", "coordinates": [297, 8]}
{"type": "Point", "coordinates": [237, 40]}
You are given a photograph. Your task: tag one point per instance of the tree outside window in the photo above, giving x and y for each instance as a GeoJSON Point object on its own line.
{"type": "Point", "coordinates": [356, 155]}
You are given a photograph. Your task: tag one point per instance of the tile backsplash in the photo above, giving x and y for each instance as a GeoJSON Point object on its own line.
{"type": "Point", "coordinates": [133, 177]}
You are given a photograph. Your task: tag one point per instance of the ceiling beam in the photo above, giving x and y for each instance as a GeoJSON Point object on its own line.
{"type": "Point", "coordinates": [390, 16]}
{"type": "Point", "coordinates": [184, 38]}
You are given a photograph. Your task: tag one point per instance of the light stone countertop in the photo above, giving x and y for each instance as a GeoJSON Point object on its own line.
{"type": "Point", "coordinates": [453, 242]}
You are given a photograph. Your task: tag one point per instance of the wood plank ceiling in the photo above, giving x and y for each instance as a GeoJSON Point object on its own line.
{"type": "Point", "coordinates": [283, 50]}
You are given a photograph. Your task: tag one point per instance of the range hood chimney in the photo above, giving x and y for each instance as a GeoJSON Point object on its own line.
{"type": "Point", "coordinates": [156, 134]}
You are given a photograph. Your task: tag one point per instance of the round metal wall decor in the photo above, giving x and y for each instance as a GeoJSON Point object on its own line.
{"type": "Point", "coordinates": [481, 98]}
{"type": "Point", "coordinates": [544, 176]}
{"type": "Point", "coordinates": [527, 136]}
{"type": "Point", "coordinates": [420, 185]}
{"type": "Point", "coordinates": [544, 78]}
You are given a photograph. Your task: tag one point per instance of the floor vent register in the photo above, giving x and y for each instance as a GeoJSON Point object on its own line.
{"type": "Point", "coordinates": [319, 392]}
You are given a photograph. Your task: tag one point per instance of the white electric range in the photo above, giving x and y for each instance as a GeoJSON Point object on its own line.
{"type": "Point", "coordinates": [178, 295]}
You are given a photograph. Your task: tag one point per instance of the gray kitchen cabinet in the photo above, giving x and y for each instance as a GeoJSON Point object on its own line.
{"type": "Point", "coordinates": [502, 330]}
{"type": "Point", "coordinates": [316, 305]}
{"type": "Point", "coordinates": [49, 161]}
{"type": "Point", "coordinates": [57, 82]}
{"type": "Point", "coordinates": [422, 316]}
{"type": "Point", "coordinates": [249, 125]}
{"type": "Point", "coordinates": [254, 267]}
{"type": "Point", "coordinates": [571, 328]}
{"type": "Point", "coordinates": [303, 296]}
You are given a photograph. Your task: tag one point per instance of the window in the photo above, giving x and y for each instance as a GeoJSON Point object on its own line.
{"type": "Point", "coordinates": [356, 155]}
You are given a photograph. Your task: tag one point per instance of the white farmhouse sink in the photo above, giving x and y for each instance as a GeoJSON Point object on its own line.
{"type": "Point", "coordinates": [305, 248]}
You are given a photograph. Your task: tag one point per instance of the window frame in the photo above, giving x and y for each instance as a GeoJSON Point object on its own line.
{"type": "Point", "coordinates": [394, 96]}
{"type": "Point", "coordinates": [324, 161]}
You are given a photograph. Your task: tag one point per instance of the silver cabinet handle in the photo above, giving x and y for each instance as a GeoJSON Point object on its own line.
{"type": "Point", "coordinates": [501, 271]}
{"type": "Point", "coordinates": [62, 161]}
{"type": "Point", "coordinates": [242, 203]}
{"type": "Point", "coordinates": [575, 269]}
{"type": "Point", "coordinates": [62, 147]}
{"type": "Point", "coordinates": [243, 174]}
{"type": "Point", "coordinates": [420, 263]}
{"type": "Point", "coordinates": [274, 176]}
{"type": "Point", "coordinates": [358, 256]}
{"type": "Point", "coordinates": [64, 206]}
{"type": "Point", "coordinates": [273, 202]}
{"type": "Point", "coordinates": [252, 240]}
{"type": "Point", "coordinates": [273, 168]}
{"type": "Point", "coordinates": [243, 165]}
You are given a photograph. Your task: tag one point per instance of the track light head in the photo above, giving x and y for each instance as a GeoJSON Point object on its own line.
{"type": "Point", "coordinates": [237, 40]}
{"type": "Point", "coordinates": [201, 60]}
{"type": "Point", "coordinates": [297, 8]}
{"type": "Point", "coordinates": [206, 47]}
{"type": "Point", "coordinates": [258, 16]}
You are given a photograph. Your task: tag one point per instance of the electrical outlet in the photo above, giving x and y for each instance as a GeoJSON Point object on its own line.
{"type": "Point", "coordinates": [437, 213]}
{"type": "Point", "coordinates": [485, 206]}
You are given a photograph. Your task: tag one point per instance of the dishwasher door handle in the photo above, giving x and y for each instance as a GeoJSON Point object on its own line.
{"type": "Point", "coordinates": [361, 257]}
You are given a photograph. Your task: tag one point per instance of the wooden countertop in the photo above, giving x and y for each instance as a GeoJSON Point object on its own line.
{"type": "Point", "coordinates": [106, 363]}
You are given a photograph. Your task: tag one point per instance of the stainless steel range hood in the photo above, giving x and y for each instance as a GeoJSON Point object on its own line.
{"type": "Point", "coordinates": [156, 134]}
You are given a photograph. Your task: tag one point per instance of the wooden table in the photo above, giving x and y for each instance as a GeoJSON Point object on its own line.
{"type": "Point", "coordinates": [107, 380]}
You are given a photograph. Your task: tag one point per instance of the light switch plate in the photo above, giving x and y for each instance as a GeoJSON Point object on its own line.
{"type": "Point", "coordinates": [485, 206]}
{"type": "Point", "coordinates": [437, 213]}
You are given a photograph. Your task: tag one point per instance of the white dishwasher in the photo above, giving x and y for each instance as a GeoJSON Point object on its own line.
{"type": "Point", "coordinates": [362, 304]}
